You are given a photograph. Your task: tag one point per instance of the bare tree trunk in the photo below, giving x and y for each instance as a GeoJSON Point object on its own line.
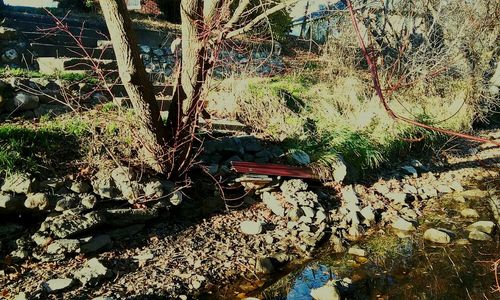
{"type": "Point", "coordinates": [135, 80]}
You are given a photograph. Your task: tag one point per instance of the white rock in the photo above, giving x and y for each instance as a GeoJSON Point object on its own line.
{"type": "Point", "coordinates": [402, 224]}
{"type": "Point", "coordinates": [479, 236]}
{"type": "Point", "coordinates": [469, 213]}
{"type": "Point", "coordinates": [21, 296]}
{"type": "Point", "coordinates": [176, 198]}
{"type": "Point", "coordinates": [326, 292]}
{"type": "Point", "coordinates": [251, 227]}
{"type": "Point", "coordinates": [456, 186]}
{"type": "Point", "coordinates": [349, 195]}
{"type": "Point", "coordinates": [38, 201]}
{"type": "Point", "coordinates": [357, 251]}
{"type": "Point", "coordinates": [308, 212]}
{"type": "Point", "coordinates": [367, 213]}
{"type": "Point", "coordinates": [273, 204]}
{"type": "Point", "coordinates": [483, 226]}
{"type": "Point", "coordinates": [55, 285]}
{"type": "Point", "coordinates": [436, 236]}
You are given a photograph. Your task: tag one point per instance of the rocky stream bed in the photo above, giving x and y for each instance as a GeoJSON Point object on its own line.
{"type": "Point", "coordinates": [412, 233]}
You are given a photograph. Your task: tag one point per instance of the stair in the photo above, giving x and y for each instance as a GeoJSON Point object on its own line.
{"type": "Point", "coordinates": [51, 65]}
{"type": "Point", "coordinates": [57, 51]}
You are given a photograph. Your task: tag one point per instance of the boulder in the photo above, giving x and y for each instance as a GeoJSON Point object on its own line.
{"type": "Point", "coordinates": [66, 225]}
{"type": "Point", "coordinates": [124, 179]}
{"type": "Point", "coordinates": [18, 183]}
{"type": "Point", "coordinates": [104, 185]}
{"type": "Point", "coordinates": [436, 236]}
{"type": "Point", "coordinates": [299, 157]}
{"type": "Point", "coordinates": [93, 272]}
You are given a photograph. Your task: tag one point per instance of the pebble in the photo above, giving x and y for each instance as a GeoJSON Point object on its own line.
{"type": "Point", "coordinates": [402, 224]}
{"type": "Point", "coordinates": [55, 285]}
{"type": "Point", "coordinates": [436, 236]}
{"type": "Point", "coordinates": [251, 227]}
{"type": "Point", "coordinates": [483, 226]}
{"type": "Point", "coordinates": [469, 213]}
{"type": "Point", "coordinates": [479, 236]}
{"type": "Point", "coordinates": [357, 251]}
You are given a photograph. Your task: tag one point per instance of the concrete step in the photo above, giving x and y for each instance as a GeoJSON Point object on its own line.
{"type": "Point", "coordinates": [51, 65]}
{"type": "Point", "coordinates": [213, 124]}
{"type": "Point", "coordinates": [59, 39]}
{"type": "Point", "coordinates": [56, 51]}
{"type": "Point", "coordinates": [31, 26]}
{"type": "Point", "coordinates": [163, 103]}
{"type": "Point", "coordinates": [118, 90]}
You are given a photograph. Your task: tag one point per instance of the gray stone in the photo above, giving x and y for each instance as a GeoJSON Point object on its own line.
{"type": "Point", "coordinates": [443, 189]}
{"type": "Point", "coordinates": [41, 239]}
{"type": "Point", "coordinates": [95, 243]}
{"type": "Point", "coordinates": [291, 187]}
{"type": "Point", "coordinates": [483, 226]}
{"type": "Point", "coordinates": [22, 102]}
{"type": "Point", "coordinates": [154, 190]}
{"type": "Point", "coordinates": [479, 236]}
{"type": "Point", "coordinates": [403, 225]}
{"type": "Point", "coordinates": [145, 48]}
{"type": "Point", "coordinates": [104, 185]}
{"type": "Point", "coordinates": [251, 227]}
{"type": "Point", "coordinates": [11, 202]}
{"type": "Point", "coordinates": [367, 213]}
{"type": "Point", "coordinates": [326, 292]}
{"type": "Point", "coordinates": [409, 189]}
{"type": "Point", "coordinates": [67, 202]}
{"type": "Point", "coordinates": [80, 187]}
{"type": "Point", "coordinates": [176, 198]}
{"type": "Point", "coordinates": [308, 212]}
{"type": "Point", "coordinates": [250, 144]}
{"type": "Point", "coordinates": [436, 236]}
{"type": "Point", "coordinates": [10, 55]}
{"type": "Point", "coordinates": [129, 216]}
{"type": "Point", "coordinates": [299, 157]}
{"type": "Point", "coordinates": [66, 225]}
{"type": "Point", "coordinates": [349, 196]}
{"type": "Point", "coordinates": [409, 170]}
{"type": "Point", "coordinates": [469, 213]}
{"type": "Point", "coordinates": [158, 52]}
{"type": "Point", "coordinates": [63, 246]}
{"type": "Point", "coordinates": [93, 272]}
{"type": "Point", "coordinates": [17, 183]}
{"type": "Point", "coordinates": [456, 186]}
{"type": "Point", "coordinates": [295, 213]}
{"type": "Point", "coordinates": [38, 201]}
{"type": "Point", "coordinates": [124, 179]}
{"type": "Point", "coordinates": [55, 285]}
{"type": "Point", "coordinates": [273, 203]}
{"type": "Point", "coordinates": [357, 251]}
{"type": "Point", "coordinates": [88, 200]}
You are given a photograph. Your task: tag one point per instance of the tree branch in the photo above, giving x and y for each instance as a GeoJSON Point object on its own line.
{"type": "Point", "coordinates": [242, 6]}
{"type": "Point", "coordinates": [380, 94]}
{"type": "Point", "coordinates": [259, 18]}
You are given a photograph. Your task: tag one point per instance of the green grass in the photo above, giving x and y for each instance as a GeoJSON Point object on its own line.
{"type": "Point", "coordinates": [66, 76]}
{"type": "Point", "coordinates": [49, 148]}
{"type": "Point", "coordinates": [326, 118]}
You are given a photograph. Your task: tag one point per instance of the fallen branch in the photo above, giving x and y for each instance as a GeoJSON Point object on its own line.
{"type": "Point", "coordinates": [381, 96]}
